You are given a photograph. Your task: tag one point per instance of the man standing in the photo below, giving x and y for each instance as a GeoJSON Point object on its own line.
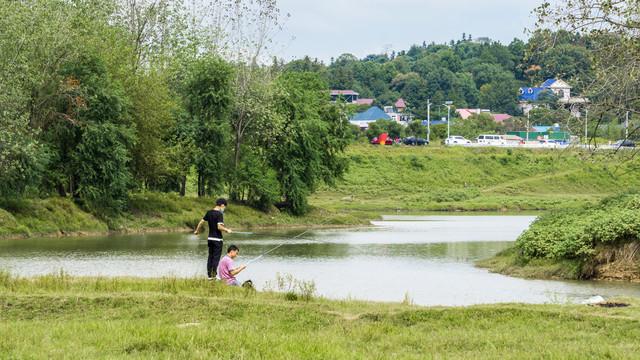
{"type": "Point", "coordinates": [227, 271]}
{"type": "Point", "coordinates": [214, 218]}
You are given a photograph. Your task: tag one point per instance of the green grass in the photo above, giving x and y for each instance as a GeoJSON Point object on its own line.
{"type": "Point", "coordinates": [380, 179]}
{"type": "Point", "coordinates": [58, 316]}
{"type": "Point", "coordinates": [510, 262]}
{"type": "Point", "coordinates": [148, 211]}
{"type": "Point", "coordinates": [433, 178]}
{"type": "Point", "coordinates": [54, 216]}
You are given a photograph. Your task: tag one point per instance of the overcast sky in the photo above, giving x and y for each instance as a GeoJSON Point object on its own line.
{"type": "Point", "coordinates": [328, 28]}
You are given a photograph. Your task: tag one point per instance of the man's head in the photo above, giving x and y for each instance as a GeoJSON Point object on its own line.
{"type": "Point", "coordinates": [221, 203]}
{"type": "Point", "coordinates": [232, 251]}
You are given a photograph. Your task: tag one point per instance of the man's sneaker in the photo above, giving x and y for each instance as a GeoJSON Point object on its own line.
{"type": "Point", "coordinates": [210, 279]}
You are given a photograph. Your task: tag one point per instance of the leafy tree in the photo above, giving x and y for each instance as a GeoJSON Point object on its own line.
{"type": "Point", "coordinates": [93, 98]}
{"type": "Point", "coordinates": [309, 147]}
{"type": "Point", "coordinates": [101, 160]}
{"type": "Point", "coordinates": [612, 32]}
{"type": "Point", "coordinates": [501, 95]}
{"type": "Point", "coordinates": [475, 125]}
{"type": "Point", "coordinates": [451, 61]}
{"type": "Point", "coordinates": [382, 126]}
{"type": "Point", "coordinates": [208, 96]}
{"type": "Point", "coordinates": [304, 65]}
{"type": "Point", "coordinates": [547, 117]}
{"type": "Point", "coordinates": [416, 129]}
{"type": "Point", "coordinates": [36, 38]}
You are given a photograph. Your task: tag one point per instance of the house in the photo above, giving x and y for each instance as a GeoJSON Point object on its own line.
{"type": "Point", "coordinates": [499, 118]}
{"type": "Point", "coordinates": [398, 113]}
{"type": "Point", "coordinates": [350, 96]}
{"type": "Point", "coordinates": [562, 90]}
{"type": "Point", "coordinates": [400, 105]}
{"type": "Point", "coordinates": [371, 115]}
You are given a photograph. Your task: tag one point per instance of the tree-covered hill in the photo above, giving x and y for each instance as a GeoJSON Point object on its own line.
{"type": "Point", "coordinates": [470, 72]}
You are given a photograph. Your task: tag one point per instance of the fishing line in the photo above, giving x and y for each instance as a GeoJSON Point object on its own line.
{"type": "Point", "coordinates": [278, 235]}
{"type": "Point", "coordinates": [297, 236]}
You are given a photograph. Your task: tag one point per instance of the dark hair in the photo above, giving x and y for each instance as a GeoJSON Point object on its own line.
{"type": "Point", "coordinates": [231, 248]}
{"type": "Point", "coordinates": [221, 201]}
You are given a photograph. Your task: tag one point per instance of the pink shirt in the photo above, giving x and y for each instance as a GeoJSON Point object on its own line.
{"type": "Point", "coordinates": [225, 268]}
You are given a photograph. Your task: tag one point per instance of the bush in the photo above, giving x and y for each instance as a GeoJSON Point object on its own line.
{"type": "Point", "coordinates": [575, 234]}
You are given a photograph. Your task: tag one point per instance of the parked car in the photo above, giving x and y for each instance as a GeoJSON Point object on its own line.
{"type": "Point", "coordinates": [457, 140]}
{"type": "Point", "coordinates": [376, 141]}
{"type": "Point", "coordinates": [491, 140]}
{"type": "Point", "coordinates": [548, 143]}
{"type": "Point", "coordinates": [624, 144]}
{"type": "Point", "coordinates": [411, 140]}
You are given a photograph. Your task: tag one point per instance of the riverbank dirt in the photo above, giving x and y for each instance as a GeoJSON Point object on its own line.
{"type": "Point", "coordinates": [617, 263]}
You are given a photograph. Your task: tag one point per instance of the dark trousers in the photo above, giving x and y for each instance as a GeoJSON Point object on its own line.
{"type": "Point", "coordinates": [215, 250]}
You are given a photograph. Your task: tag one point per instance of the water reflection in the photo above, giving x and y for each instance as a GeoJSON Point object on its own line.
{"type": "Point", "coordinates": [427, 258]}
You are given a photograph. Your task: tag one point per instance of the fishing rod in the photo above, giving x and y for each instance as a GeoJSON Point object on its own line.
{"type": "Point", "coordinates": [277, 235]}
{"type": "Point", "coordinates": [297, 236]}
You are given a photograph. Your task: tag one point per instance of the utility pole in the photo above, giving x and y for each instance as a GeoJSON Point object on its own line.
{"type": "Point", "coordinates": [528, 118]}
{"type": "Point", "coordinates": [626, 127]}
{"type": "Point", "coordinates": [429, 120]}
{"type": "Point", "coordinates": [448, 104]}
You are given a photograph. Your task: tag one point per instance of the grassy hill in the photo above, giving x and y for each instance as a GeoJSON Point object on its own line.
{"type": "Point", "coordinates": [433, 178]}
{"type": "Point", "coordinates": [380, 178]}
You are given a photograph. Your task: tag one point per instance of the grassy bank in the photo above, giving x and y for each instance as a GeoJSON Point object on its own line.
{"type": "Point", "coordinates": [601, 241]}
{"type": "Point", "coordinates": [433, 178]}
{"type": "Point", "coordinates": [148, 212]}
{"type": "Point", "coordinates": [510, 262]}
{"type": "Point", "coordinates": [380, 179]}
{"type": "Point", "coordinates": [56, 316]}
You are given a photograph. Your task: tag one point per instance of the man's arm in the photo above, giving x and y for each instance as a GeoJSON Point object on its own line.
{"type": "Point", "coordinates": [198, 228]}
{"type": "Point", "coordinates": [222, 228]}
{"type": "Point", "coordinates": [235, 271]}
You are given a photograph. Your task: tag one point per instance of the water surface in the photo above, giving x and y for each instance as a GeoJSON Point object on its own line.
{"type": "Point", "coordinates": [426, 259]}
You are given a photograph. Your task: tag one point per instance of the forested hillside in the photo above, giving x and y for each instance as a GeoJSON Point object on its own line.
{"type": "Point", "coordinates": [471, 72]}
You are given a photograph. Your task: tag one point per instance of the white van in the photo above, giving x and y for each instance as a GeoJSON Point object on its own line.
{"type": "Point", "coordinates": [491, 140]}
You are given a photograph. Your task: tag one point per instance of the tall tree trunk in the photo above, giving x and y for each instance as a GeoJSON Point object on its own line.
{"type": "Point", "coordinates": [61, 190]}
{"type": "Point", "coordinates": [183, 185]}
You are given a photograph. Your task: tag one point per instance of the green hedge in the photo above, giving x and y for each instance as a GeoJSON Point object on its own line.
{"type": "Point", "coordinates": [575, 234]}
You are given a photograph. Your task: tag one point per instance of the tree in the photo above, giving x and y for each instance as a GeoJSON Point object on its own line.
{"type": "Point", "coordinates": [475, 125]}
{"type": "Point", "coordinates": [208, 96]}
{"type": "Point", "coordinates": [35, 39]}
{"type": "Point", "coordinates": [450, 61]}
{"type": "Point", "coordinates": [500, 95]}
{"type": "Point", "coordinates": [101, 161]}
{"type": "Point", "coordinates": [308, 148]}
{"type": "Point", "coordinates": [612, 28]}
{"type": "Point", "coordinates": [382, 126]}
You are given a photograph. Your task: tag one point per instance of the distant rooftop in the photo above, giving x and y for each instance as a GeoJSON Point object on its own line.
{"type": "Point", "coordinates": [343, 92]}
{"type": "Point", "coordinates": [372, 114]}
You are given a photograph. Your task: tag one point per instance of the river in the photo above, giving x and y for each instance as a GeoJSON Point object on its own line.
{"type": "Point", "coordinates": [426, 260]}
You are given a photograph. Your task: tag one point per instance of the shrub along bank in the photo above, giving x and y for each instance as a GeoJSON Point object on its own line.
{"type": "Point", "coordinates": [600, 241]}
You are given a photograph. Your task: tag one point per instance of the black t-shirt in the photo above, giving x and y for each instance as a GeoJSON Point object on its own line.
{"type": "Point", "coordinates": [213, 218]}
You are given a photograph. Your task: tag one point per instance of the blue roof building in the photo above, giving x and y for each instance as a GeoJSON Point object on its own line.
{"type": "Point", "coordinates": [562, 91]}
{"type": "Point", "coordinates": [371, 115]}
{"type": "Point", "coordinates": [560, 88]}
